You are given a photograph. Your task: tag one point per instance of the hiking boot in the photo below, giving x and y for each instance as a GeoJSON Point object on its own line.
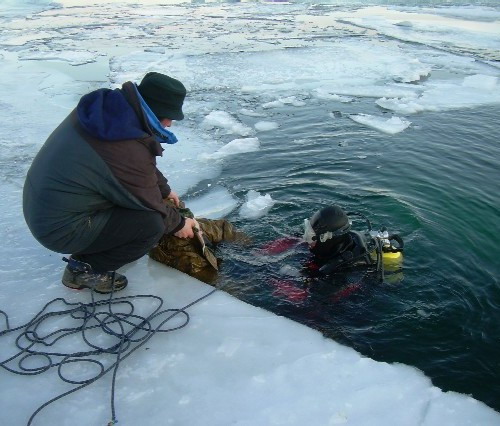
{"type": "Point", "coordinates": [79, 275]}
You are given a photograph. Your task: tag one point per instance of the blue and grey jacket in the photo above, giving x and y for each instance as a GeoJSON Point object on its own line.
{"type": "Point", "coordinates": [101, 156]}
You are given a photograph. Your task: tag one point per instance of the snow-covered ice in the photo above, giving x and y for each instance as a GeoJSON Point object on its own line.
{"type": "Point", "coordinates": [462, 32]}
{"type": "Point", "coordinates": [233, 363]}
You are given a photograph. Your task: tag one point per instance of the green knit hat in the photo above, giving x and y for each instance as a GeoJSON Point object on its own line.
{"type": "Point", "coordinates": [163, 94]}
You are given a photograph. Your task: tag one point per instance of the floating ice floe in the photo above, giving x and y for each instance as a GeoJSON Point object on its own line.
{"type": "Point", "coordinates": [367, 88]}
{"type": "Point", "coordinates": [324, 94]}
{"type": "Point", "coordinates": [289, 270]}
{"type": "Point", "coordinates": [263, 126]}
{"type": "Point", "coordinates": [250, 113]}
{"type": "Point", "coordinates": [290, 100]}
{"type": "Point", "coordinates": [224, 120]}
{"type": "Point", "coordinates": [256, 206]}
{"type": "Point", "coordinates": [468, 92]}
{"type": "Point", "coordinates": [214, 205]}
{"type": "Point", "coordinates": [236, 146]}
{"type": "Point", "coordinates": [391, 126]}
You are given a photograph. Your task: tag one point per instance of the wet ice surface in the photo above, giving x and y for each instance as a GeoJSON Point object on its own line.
{"type": "Point", "coordinates": [241, 63]}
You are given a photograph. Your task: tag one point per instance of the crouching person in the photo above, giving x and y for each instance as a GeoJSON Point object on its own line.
{"type": "Point", "coordinates": [94, 191]}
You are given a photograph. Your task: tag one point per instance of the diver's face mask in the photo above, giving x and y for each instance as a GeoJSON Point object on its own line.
{"type": "Point", "coordinates": [311, 238]}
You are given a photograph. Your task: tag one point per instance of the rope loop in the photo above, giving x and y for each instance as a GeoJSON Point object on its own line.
{"type": "Point", "coordinates": [106, 327]}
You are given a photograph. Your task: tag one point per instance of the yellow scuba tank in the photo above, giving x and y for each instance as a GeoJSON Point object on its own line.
{"type": "Point", "coordinates": [392, 260]}
{"type": "Point", "coordinates": [387, 257]}
{"type": "Point", "coordinates": [392, 256]}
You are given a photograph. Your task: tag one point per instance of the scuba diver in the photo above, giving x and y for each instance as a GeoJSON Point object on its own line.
{"type": "Point", "coordinates": [338, 252]}
{"type": "Point", "coordinates": [336, 246]}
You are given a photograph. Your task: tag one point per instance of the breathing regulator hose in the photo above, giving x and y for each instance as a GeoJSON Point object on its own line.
{"type": "Point", "coordinates": [368, 223]}
{"type": "Point", "coordinates": [380, 255]}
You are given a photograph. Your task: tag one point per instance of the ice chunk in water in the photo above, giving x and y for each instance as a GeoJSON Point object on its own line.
{"type": "Point", "coordinates": [250, 112]}
{"type": "Point", "coordinates": [290, 100]}
{"type": "Point", "coordinates": [289, 270]}
{"type": "Point", "coordinates": [325, 94]}
{"type": "Point", "coordinates": [257, 205]}
{"type": "Point", "coordinates": [236, 146]}
{"type": "Point", "coordinates": [443, 95]}
{"type": "Point", "coordinates": [224, 120]}
{"type": "Point", "coordinates": [391, 126]}
{"type": "Point", "coordinates": [401, 105]}
{"type": "Point", "coordinates": [214, 205]}
{"type": "Point", "coordinates": [262, 126]}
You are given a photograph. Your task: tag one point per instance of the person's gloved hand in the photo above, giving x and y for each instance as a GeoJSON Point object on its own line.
{"type": "Point", "coordinates": [187, 231]}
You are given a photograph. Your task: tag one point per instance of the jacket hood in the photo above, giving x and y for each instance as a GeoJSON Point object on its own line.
{"type": "Point", "coordinates": [107, 115]}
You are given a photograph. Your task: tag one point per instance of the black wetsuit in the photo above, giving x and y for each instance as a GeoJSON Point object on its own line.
{"type": "Point", "coordinates": [343, 252]}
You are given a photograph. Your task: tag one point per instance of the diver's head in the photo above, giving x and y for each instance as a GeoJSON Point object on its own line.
{"type": "Point", "coordinates": [326, 231]}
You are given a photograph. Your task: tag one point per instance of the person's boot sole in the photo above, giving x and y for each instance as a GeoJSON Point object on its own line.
{"type": "Point", "coordinates": [83, 287]}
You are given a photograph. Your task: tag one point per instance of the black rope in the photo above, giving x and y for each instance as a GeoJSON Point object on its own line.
{"type": "Point", "coordinates": [133, 332]}
{"type": "Point", "coordinates": [7, 325]}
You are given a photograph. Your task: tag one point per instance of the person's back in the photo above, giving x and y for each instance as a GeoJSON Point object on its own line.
{"type": "Point", "coordinates": [67, 183]}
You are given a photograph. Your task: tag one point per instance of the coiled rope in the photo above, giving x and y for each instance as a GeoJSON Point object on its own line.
{"type": "Point", "coordinates": [129, 331]}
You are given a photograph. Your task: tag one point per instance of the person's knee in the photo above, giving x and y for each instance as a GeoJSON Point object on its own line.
{"type": "Point", "coordinates": [154, 229]}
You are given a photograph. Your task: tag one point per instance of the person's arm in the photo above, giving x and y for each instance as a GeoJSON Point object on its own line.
{"type": "Point", "coordinates": [163, 184]}
{"type": "Point", "coordinates": [134, 165]}
{"type": "Point", "coordinates": [280, 245]}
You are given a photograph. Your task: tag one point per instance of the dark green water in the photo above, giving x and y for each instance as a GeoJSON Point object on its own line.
{"type": "Point", "coordinates": [437, 185]}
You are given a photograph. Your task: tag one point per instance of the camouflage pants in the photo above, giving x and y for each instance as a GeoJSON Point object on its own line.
{"type": "Point", "coordinates": [186, 254]}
